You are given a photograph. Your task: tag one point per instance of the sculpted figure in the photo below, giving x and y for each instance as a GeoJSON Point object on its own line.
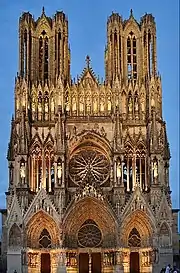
{"type": "Point", "coordinates": [130, 105]}
{"type": "Point", "coordinates": [118, 169]}
{"type": "Point", "coordinates": [23, 170]}
{"type": "Point", "coordinates": [59, 170]}
{"type": "Point", "coordinates": [155, 169]}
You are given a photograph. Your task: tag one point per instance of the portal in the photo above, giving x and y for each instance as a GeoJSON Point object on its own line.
{"type": "Point", "coordinates": [45, 263]}
{"type": "Point", "coordinates": [134, 262]}
{"type": "Point", "coordinates": [95, 263]}
{"type": "Point", "coordinates": [83, 263]}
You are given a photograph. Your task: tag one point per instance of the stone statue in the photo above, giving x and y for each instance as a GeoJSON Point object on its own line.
{"type": "Point", "coordinates": [102, 106]}
{"type": "Point", "coordinates": [118, 169]}
{"type": "Point", "coordinates": [109, 104]}
{"type": "Point", "coordinates": [130, 105]}
{"type": "Point", "coordinates": [74, 104]}
{"type": "Point", "coordinates": [39, 111]}
{"type": "Point", "coordinates": [59, 171]}
{"type": "Point", "coordinates": [23, 170]}
{"type": "Point", "coordinates": [136, 106]}
{"type": "Point", "coordinates": [46, 105]}
{"type": "Point", "coordinates": [52, 105]}
{"type": "Point", "coordinates": [155, 169]}
{"type": "Point", "coordinates": [152, 102]}
{"type": "Point", "coordinates": [95, 106]}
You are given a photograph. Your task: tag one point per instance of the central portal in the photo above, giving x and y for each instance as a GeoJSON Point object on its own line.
{"type": "Point", "coordinates": [84, 263]}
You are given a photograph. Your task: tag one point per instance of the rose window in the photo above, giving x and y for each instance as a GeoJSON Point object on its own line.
{"type": "Point", "coordinates": [89, 161]}
{"type": "Point", "coordinates": [89, 235]}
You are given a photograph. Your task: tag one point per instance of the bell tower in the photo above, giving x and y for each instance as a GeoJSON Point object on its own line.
{"type": "Point", "coordinates": [37, 126]}
{"type": "Point", "coordinates": [131, 48]}
{"type": "Point", "coordinates": [43, 47]}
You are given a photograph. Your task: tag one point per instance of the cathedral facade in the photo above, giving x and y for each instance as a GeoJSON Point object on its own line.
{"type": "Point", "coordinates": [88, 159]}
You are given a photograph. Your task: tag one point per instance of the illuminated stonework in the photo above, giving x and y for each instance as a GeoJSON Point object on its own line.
{"type": "Point", "coordinates": [88, 160]}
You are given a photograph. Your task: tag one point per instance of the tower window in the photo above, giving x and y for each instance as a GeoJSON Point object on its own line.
{"type": "Point", "coordinates": [59, 50]}
{"type": "Point", "coordinates": [25, 52]}
{"type": "Point", "coordinates": [131, 57]}
{"type": "Point", "coordinates": [150, 52]}
{"type": "Point", "coordinates": [43, 56]}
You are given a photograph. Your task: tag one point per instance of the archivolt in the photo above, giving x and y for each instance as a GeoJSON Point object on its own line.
{"type": "Point", "coordinates": [36, 224]}
{"type": "Point", "coordinates": [90, 208]}
{"type": "Point", "coordinates": [90, 139]}
{"type": "Point", "coordinates": [141, 222]}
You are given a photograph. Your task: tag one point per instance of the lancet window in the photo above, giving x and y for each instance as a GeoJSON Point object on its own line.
{"type": "Point", "coordinates": [42, 168]}
{"type": "Point", "coordinates": [141, 167]}
{"type": "Point", "coordinates": [150, 52]}
{"type": "Point", "coordinates": [131, 56]}
{"type": "Point", "coordinates": [25, 52]}
{"type": "Point", "coordinates": [40, 109]}
{"type": "Point", "coordinates": [59, 50]}
{"type": "Point", "coordinates": [49, 169]}
{"type": "Point", "coordinates": [134, 169]}
{"type": "Point", "coordinates": [46, 105]}
{"type": "Point", "coordinates": [43, 56]}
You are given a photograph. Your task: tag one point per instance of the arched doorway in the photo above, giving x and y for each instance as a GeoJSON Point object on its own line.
{"type": "Point", "coordinates": [95, 264]}
{"type": "Point", "coordinates": [89, 236]}
{"type": "Point", "coordinates": [134, 240]}
{"type": "Point", "coordinates": [134, 262]}
{"type": "Point", "coordinates": [45, 243]}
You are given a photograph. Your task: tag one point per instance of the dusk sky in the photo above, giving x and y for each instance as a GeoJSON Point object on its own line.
{"type": "Point", "coordinates": [87, 35]}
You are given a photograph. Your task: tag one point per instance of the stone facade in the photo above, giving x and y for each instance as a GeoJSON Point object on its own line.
{"type": "Point", "coordinates": [88, 160]}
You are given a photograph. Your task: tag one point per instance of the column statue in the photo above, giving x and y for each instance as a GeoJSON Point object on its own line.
{"type": "Point", "coordinates": [155, 169]}
{"type": "Point", "coordinates": [22, 171]}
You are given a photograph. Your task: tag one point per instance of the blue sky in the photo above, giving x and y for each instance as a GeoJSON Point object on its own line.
{"type": "Point", "coordinates": [87, 35]}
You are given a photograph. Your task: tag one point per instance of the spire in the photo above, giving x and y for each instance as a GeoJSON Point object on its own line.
{"type": "Point", "coordinates": [88, 61]}
{"type": "Point", "coordinates": [10, 153]}
{"type": "Point", "coordinates": [43, 11]}
{"type": "Point", "coordinates": [131, 13]}
{"type": "Point", "coordinates": [167, 154]}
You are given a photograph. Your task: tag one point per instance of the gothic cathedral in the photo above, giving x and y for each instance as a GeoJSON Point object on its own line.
{"type": "Point", "coordinates": [88, 159]}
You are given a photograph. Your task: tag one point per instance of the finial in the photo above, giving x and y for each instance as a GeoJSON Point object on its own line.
{"type": "Point", "coordinates": [131, 13]}
{"type": "Point", "coordinates": [43, 11]}
{"type": "Point", "coordinates": [87, 61]}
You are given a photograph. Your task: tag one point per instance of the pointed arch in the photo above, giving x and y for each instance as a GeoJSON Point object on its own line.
{"type": "Point", "coordinates": [164, 235]}
{"type": "Point", "coordinates": [138, 220]}
{"type": "Point", "coordinates": [35, 226]}
{"type": "Point", "coordinates": [49, 175]}
{"type": "Point", "coordinates": [15, 238]}
{"type": "Point", "coordinates": [94, 209]}
{"type": "Point", "coordinates": [35, 173]}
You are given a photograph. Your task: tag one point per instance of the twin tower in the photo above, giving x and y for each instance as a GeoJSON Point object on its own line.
{"type": "Point", "coordinates": [45, 54]}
